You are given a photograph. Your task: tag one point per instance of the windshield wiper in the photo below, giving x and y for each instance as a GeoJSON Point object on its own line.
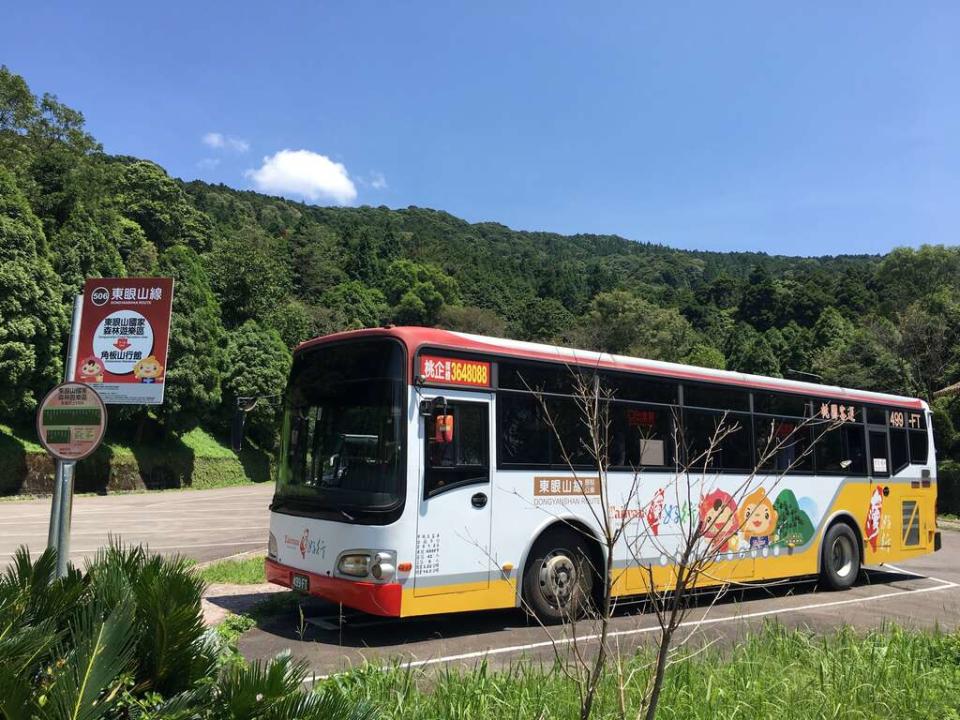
{"type": "Point", "coordinates": [347, 515]}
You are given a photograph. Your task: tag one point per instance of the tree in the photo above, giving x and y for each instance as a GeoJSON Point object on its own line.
{"type": "Point", "coordinates": [316, 261]}
{"type": "Point", "coordinates": [418, 292]}
{"type": "Point", "coordinates": [248, 274]}
{"type": "Point", "coordinates": [32, 318]}
{"type": "Point", "coordinates": [760, 305]}
{"type": "Point", "coordinates": [704, 355]}
{"type": "Point", "coordinates": [864, 357]}
{"type": "Point", "coordinates": [619, 322]}
{"type": "Point", "coordinates": [905, 274]}
{"type": "Point", "coordinates": [470, 319]}
{"type": "Point", "coordinates": [748, 351]}
{"type": "Point", "coordinates": [80, 250]}
{"type": "Point", "coordinates": [574, 566]}
{"type": "Point", "coordinates": [362, 306]}
{"type": "Point", "coordinates": [196, 356]}
{"type": "Point", "coordinates": [929, 331]}
{"type": "Point", "coordinates": [544, 319]}
{"type": "Point", "coordinates": [147, 195]}
{"type": "Point", "coordinates": [257, 364]}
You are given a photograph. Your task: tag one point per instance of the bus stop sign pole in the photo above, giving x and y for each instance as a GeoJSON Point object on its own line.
{"type": "Point", "coordinates": [61, 510]}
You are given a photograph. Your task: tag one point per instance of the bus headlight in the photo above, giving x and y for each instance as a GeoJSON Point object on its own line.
{"type": "Point", "coordinates": [384, 566]}
{"type": "Point", "coordinates": [356, 565]}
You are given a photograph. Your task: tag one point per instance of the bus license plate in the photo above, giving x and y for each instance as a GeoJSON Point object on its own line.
{"type": "Point", "coordinates": [301, 582]}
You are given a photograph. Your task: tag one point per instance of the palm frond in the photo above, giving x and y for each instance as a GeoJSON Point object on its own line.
{"type": "Point", "coordinates": [99, 651]}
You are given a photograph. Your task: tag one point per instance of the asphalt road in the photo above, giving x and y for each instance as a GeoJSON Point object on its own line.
{"type": "Point", "coordinates": [922, 593]}
{"type": "Point", "coordinates": [207, 524]}
{"type": "Point", "coordinates": [201, 524]}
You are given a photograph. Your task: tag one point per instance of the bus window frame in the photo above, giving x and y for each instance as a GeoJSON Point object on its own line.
{"type": "Point", "coordinates": [457, 404]}
{"type": "Point", "coordinates": [809, 401]}
{"type": "Point", "coordinates": [365, 516]}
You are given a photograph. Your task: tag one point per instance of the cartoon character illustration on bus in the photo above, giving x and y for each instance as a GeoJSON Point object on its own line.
{"type": "Point", "coordinates": [148, 370]}
{"type": "Point", "coordinates": [794, 526]}
{"type": "Point", "coordinates": [654, 510]}
{"type": "Point", "coordinates": [304, 542]}
{"type": "Point", "coordinates": [718, 520]}
{"type": "Point", "coordinates": [874, 514]}
{"type": "Point", "coordinates": [91, 370]}
{"type": "Point", "coordinates": [758, 519]}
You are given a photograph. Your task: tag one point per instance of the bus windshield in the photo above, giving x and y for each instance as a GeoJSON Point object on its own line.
{"type": "Point", "coordinates": [343, 432]}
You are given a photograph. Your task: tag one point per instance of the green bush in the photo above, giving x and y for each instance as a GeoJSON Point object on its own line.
{"type": "Point", "coordinates": [948, 487]}
{"type": "Point", "coordinates": [126, 639]}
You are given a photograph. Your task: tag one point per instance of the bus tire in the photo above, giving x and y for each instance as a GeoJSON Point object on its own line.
{"type": "Point", "coordinates": [558, 578]}
{"type": "Point", "coordinates": [839, 557]}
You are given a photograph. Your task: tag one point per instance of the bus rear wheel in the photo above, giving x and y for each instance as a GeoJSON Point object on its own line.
{"type": "Point", "coordinates": [558, 578]}
{"type": "Point", "coordinates": [839, 557]}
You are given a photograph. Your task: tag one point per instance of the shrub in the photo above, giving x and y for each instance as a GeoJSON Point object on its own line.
{"type": "Point", "coordinates": [126, 638]}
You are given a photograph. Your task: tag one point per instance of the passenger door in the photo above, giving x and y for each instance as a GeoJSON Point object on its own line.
{"type": "Point", "coordinates": [453, 523]}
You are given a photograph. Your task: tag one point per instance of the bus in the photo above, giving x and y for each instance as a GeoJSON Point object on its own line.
{"type": "Point", "coordinates": [418, 474]}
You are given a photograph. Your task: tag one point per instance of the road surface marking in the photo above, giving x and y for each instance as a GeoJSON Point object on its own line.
{"type": "Point", "coordinates": [945, 585]}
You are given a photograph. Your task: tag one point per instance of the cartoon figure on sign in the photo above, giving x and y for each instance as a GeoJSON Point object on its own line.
{"type": "Point", "coordinates": [304, 541]}
{"type": "Point", "coordinates": [758, 519]}
{"type": "Point", "coordinates": [872, 526]}
{"type": "Point", "coordinates": [653, 512]}
{"type": "Point", "coordinates": [91, 370]}
{"type": "Point", "coordinates": [148, 370]}
{"type": "Point", "coordinates": [718, 520]}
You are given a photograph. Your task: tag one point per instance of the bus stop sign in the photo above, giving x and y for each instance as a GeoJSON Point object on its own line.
{"type": "Point", "coordinates": [71, 421]}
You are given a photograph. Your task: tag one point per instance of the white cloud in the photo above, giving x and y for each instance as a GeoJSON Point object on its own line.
{"type": "Point", "coordinates": [378, 181]}
{"type": "Point", "coordinates": [305, 174]}
{"type": "Point", "coordinates": [219, 141]}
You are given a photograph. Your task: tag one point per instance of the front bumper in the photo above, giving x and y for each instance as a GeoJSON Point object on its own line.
{"type": "Point", "coordinates": [374, 598]}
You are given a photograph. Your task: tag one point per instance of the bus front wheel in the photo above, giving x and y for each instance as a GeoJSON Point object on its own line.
{"type": "Point", "coordinates": [558, 578]}
{"type": "Point", "coordinates": [840, 557]}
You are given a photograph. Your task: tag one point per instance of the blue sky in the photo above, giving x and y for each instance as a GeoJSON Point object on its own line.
{"type": "Point", "coordinates": [797, 128]}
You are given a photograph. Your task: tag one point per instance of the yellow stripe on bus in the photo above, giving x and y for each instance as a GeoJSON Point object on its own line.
{"type": "Point", "coordinates": [853, 498]}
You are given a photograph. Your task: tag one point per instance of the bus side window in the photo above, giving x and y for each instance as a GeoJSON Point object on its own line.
{"type": "Point", "coordinates": [841, 450]}
{"type": "Point", "coordinates": [899, 453]}
{"type": "Point", "coordinates": [878, 453]}
{"type": "Point", "coordinates": [641, 436]}
{"type": "Point", "coordinates": [465, 459]}
{"type": "Point", "coordinates": [733, 437]}
{"type": "Point", "coordinates": [783, 445]}
{"type": "Point", "coordinates": [522, 434]}
{"type": "Point", "coordinates": [918, 447]}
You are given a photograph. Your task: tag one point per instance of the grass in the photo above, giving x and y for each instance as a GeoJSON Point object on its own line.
{"type": "Point", "coordinates": [196, 459]}
{"type": "Point", "coordinates": [775, 673]}
{"type": "Point", "coordinates": [240, 571]}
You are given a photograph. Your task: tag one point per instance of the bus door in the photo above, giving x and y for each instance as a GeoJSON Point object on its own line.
{"type": "Point", "coordinates": [454, 518]}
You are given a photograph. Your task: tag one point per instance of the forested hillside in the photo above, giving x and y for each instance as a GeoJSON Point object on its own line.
{"type": "Point", "coordinates": [255, 275]}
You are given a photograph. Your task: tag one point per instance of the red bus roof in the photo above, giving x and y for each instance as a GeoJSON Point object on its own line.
{"type": "Point", "coordinates": [416, 338]}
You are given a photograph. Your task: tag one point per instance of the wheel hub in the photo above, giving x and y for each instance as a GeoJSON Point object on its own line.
{"type": "Point", "coordinates": [841, 556]}
{"type": "Point", "coordinates": [558, 578]}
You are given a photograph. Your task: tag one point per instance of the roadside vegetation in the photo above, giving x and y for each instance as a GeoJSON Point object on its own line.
{"type": "Point", "coordinates": [776, 673]}
{"type": "Point", "coordinates": [193, 459]}
{"type": "Point", "coordinates": [238, 571]}
{"type": "Point", "coordinates": [125, 639]}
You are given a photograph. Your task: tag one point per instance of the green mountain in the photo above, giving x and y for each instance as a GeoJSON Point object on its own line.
{"type": "Point", "coordinates": [257, 274]}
